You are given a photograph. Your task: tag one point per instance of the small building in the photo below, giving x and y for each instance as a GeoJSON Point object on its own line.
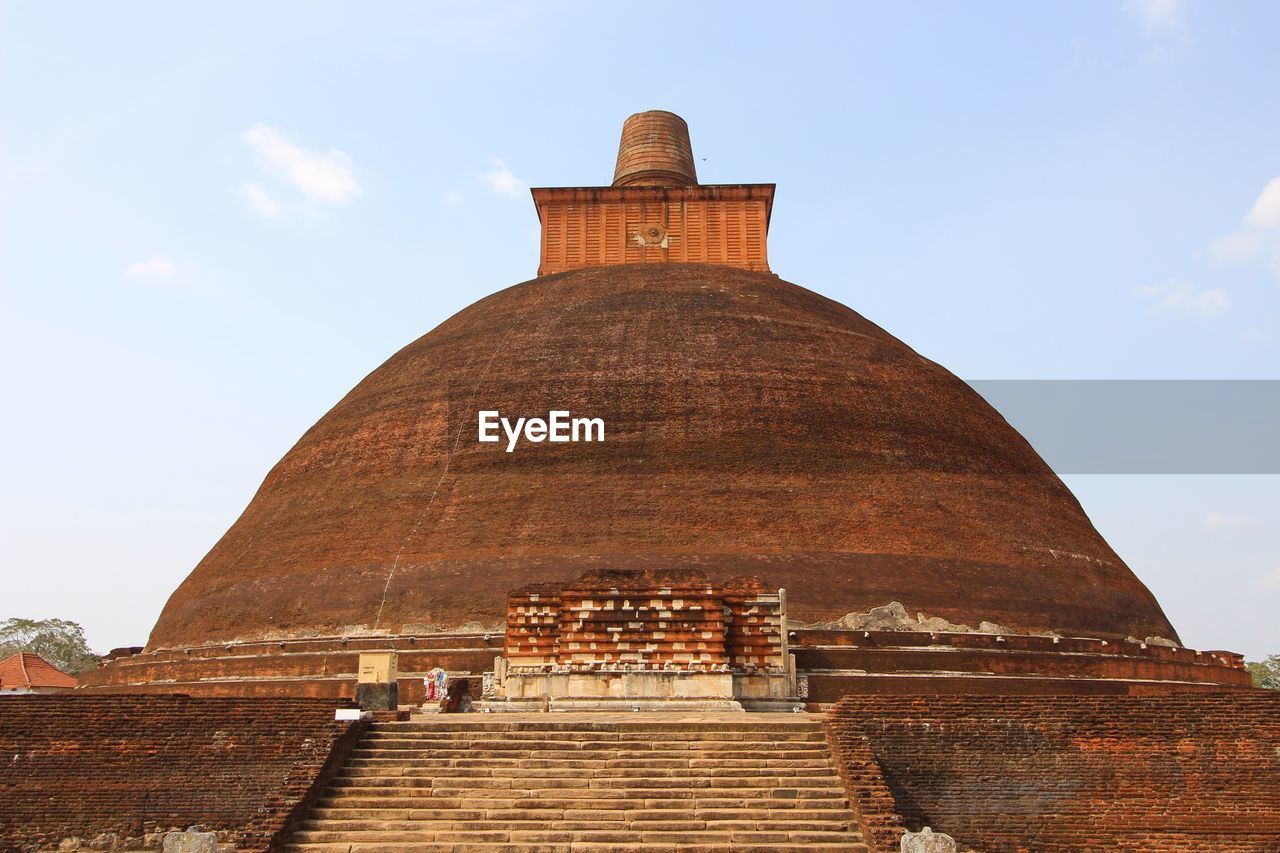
{"type": "Point", "coordinates": [29, 673]}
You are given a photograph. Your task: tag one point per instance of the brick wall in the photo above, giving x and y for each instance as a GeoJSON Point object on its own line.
{"type": "Point", "coordinates": [838, 663]}
{"type": "Point", "coordinates": [135, 766]}
{"type": "Point", "coordinates": [317, 668]}
{"type": "Point", "coordinates": [1190, 772]}
{"type": "Point", "coordinates": [596, 226]}
{"type": "Point", "coordinates": [654, 619]}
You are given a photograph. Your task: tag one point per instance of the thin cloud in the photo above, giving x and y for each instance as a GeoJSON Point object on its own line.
{"type": "Point", "coordinates": [151, 269]}
{"type": "Point", "coordinates": [1225, 521]}
{"type": "Point", "coordinates": [1259, 234]}
{"type": "Point", "coordinates": [1270, 582]}
{"type": "Point", "coordinates": [1266, 209]}
{"type": "Point", "coordinates": [453, 197]}
{"type": "Point", "coordinates": [1158, 18]}
{"type": "Point", "coordinates": [1241, 246]}
{"type": "Point", "coordinates": [1181, 298]}
{"type": "Point", "coordinates": [500, 179]}
{"type": "Point", "coordinates": [327, 177]}
{"type": "Point", "coordinates": [260, 201]}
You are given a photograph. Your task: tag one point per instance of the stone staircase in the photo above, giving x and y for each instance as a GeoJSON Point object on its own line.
{"type": "Point", "coordinates": [599, 782]}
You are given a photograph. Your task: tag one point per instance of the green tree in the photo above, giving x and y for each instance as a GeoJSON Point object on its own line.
{"type": "Point", "coordinates": [1266, 673]}
{"type": "Point", "coordinates": [59, 641]}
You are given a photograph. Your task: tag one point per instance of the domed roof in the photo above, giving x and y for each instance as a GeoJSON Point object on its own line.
{"type": "Point", "coordinates": [753, 427]}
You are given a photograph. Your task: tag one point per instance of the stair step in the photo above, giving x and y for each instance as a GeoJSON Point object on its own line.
{"type": "Point", "coordinates": [576, 847]}
{"type": "Point", "coordinates": [576, 798]}
{"type": "Point", "coordinates": [528, 736]}
{"type": "Point", "coordinates": [441, 804]}
{"type": "Point", "coordinates": [462, 774]}
{"type": "Point", "coordinates": [790, 738]}
{"type": "Point", "coordinates": [570, 727]}
{"type": "Point", "coordinates": [441, 784]}
{"type": "Point", "coordinates": [636, 749]}
{"type": "Point", "coordinates": [541, 836]}
{"type": "Point", "coordinates": [764, 761]}
{"type": "Point", "coordinates": [761, 798]}
{"type": "Point", "coordinates": [700, 778]}
{"type": "Point", "coordinates": [589, 820]}
{"type": "Point", "coordinates": [393, 769]}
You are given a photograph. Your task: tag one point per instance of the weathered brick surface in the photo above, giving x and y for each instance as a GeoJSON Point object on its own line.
{"type": "Point", "coordinates": [655, 150]}
{"type": "Point", "coordinates": [84, 766]}
{"type": "Point", "coordinates": [314, 668]}
{"type": "Point", "coordinates": [839, 662]}
{"type": "Point", "coordinates": [753, 428]}
{"type": "Point", "coordinates": [653, 619]}
{"type": "Point", "coordinates": [842, 663]}
{"type": "Point", "coordinates": [1066, 773]}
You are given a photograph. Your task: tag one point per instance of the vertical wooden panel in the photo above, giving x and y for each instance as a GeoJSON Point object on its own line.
{"type": "Point", "coordinates": [693, 236]}
{"type": "Point", "coordinates": [560, 238]}
{"type": "Point", "coordinates": [592, 251]}
{"type": "Point", "coordinates": [754, 220]}
{"type": "Point", "coordinates": [715, 238]}
{"type": "Point", "coordinates": [675, 224]}
{"type": "Point", "coordinates": [616, 233]}
{"type": "Point", "coordinates": [732, 225]}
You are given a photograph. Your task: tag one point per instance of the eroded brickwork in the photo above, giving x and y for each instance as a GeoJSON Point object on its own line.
{"type": "Point", "coordinates": [836, 663]}
{"type": "Point", "coordinates": [316, 668]}
{"type": "Point", "coordinates": [752, 428]}
{"type": "Point", "coordinates": [90, 767]}
{"type": "Point", "coordinates": [1191, 772]}
{"type": "Point", "coordinates": [646, 620]}
{"type": "Point", "coordinates": [755, 633]}
{"type": "Point", "coordinates": [841, 662]}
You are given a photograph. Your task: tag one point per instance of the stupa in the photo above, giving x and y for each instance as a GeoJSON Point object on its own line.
{"type": "Point", "coordinates": [748, 427]}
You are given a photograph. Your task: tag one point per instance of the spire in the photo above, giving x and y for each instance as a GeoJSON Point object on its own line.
{"type": "Point", "coordinates": [655, 152]}
{"type": "Point", "coordinates": [656, 211]}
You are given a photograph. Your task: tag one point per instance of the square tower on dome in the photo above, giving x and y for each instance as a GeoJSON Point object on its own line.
{"type": "Point", "coordinates": [655, 211]}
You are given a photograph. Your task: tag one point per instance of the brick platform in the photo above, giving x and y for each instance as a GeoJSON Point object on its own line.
{"type": "Point", "coordinates": [319, 668]}
{"type": "Point", "coordinates": [92, 766]}
{"type": "Point", "coordinates": [833, 664]}
{"type": "Point", "coordinates": [1189, 772]}
{"type": "Point", "coordinates": [841, 663]}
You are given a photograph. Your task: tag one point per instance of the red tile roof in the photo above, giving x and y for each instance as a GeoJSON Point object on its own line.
{"type": "Point", "coordinates": [26, 670]}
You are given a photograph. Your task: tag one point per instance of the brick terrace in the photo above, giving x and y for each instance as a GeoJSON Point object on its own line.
{"type": "Point", "coordinates": [1189, 772]}
{"type": "Point", "coordinates": [134, 766]}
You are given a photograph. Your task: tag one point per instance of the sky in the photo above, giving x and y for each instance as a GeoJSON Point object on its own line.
{"type": "Point", "coordinates": [216, 219]}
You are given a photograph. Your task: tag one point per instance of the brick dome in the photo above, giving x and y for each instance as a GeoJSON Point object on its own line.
{"type": "Point", "coordinates": [753, 427]}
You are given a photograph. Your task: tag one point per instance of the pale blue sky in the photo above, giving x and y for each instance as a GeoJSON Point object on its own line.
{"type": "Point", "coordinates": [213, 223]}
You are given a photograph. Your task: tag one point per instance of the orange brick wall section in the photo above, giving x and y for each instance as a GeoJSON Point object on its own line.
{"type": "Point", "coordinates": [1052, 774]}
{"type": "Point", "coordinates": [840, 663]}
{"type": "Point", "coordinates": [655, 150]}
{"type": "Point", "coordinates": [654, 620]}
{"type": "Point", "coordinates": [89, 766]}
{"type": "Point", "coordinates": [599, 226]}
{"type": "Point", "coordinates": [836, 663]}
